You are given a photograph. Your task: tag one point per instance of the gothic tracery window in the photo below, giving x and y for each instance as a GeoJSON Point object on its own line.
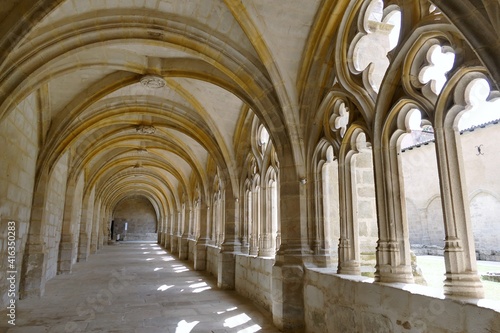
{"type": "Point", "coordinates": [479, 110]}
{"type": "Point", "coordinates": [440, 61]}
{"type": "Point", "coordinates": [379, 34]}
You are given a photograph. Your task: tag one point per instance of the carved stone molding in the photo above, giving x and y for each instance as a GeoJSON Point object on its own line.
{"type": "Point", "coordinates": [153, 81]}
{"type": "Point", "coordinates": [145, 129]}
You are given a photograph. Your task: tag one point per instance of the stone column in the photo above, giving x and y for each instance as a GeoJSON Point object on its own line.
{"type": "Point", "coordinates": [184, 239]}
{"type": "Point", "coordinates": [85, 227]}
{"type": "Point", "coordinates": [255, 221]}
{"type": "Point", "coordinates": [164, 231]}
{"type": "Point", "coordinates": [168, 232]}
{"type": "Point", "coordinates": [316, 202]}
{"type": "Point", "coordinates": [32, 282]}
{"type": "Point", "coordinates": [103, 233]}
{"type": "Point", "coordinates": [393, 249]}
{"type": "Point", "coordinates": [462, 278]}
{"type": "Point", "coordinates": [266, 242]}
{"type": "Point", "coordinates": [326, 199]}
{"type": "Point", "coordinates": [95, 228]}
{"type": "Point", "coordinates": [230, 245]}
{"type": "Point", "coordinates": [200, 251]}
{"type": "Point", "coordinates": [180, 227]}
{"type": "Point", "coordinates": [288, 271]}
{"type": "Point", "coordinates": [68, 246]}
{"type": "Point", "coordinates": [174, 248]}
{"type": "Point", "coordinates": [348, 249]}
{"type": "Point", "coordinates": [160, 231]}
{"type": "Point", "coordinates": [245, 219]}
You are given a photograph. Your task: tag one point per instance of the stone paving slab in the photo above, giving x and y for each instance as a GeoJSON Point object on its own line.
{"type": "Point", "coordinates": [137, 288]}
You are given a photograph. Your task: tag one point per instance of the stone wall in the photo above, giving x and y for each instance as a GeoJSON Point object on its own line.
{"type": "Point", "coordinates": [19, 141]}
{"type": "Point", "coordinates": [254, 279]}
{"type": "Point", "coordinates": [338, 304]}
{"type": "Point", "coordinates": [140, 216]}
{"type": "Point", "coordinates": [425, 216]}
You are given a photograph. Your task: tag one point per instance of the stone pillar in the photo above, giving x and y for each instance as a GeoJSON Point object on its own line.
{"type": "Point", "coordinates": [32, 282]}
{"type": "Point", "coordinates": [83, 246]}
{"type": "Point", "coordinates": [184, 239]}
{"type": "Point", "coordinates": [86, 227]}
{"type": "Point", "coordinates": [200, 250]}
{"type": "Point", "coordinates": [66, 252]}
{"type": "Point", "coordinates": [287, 293]}
{"type": "Point", "coordinates": [246, 206]}
{"type": "Point", "coordinates": [33, 279]}
{"type": "Point", "coordinates": [288, 271]}
{"type": "Point", "coordinates": [255, 221]}
{"type": "Point", "coordinates": [168, 232]}
{"type": "Point", "coordinates": [161, 237]}
{"type": "Point", "coordinates": [266, 248]}
{"type": "Point", "coordinates": [348, 249]}
{"type": "Point", "coordinates": [103, 233]}
{"type": "Point", "coordinates": [174, 240]}
{"type": "Point", "coordinates": [159, 229]}
{"type": "Point", "coordinates": [231, 244]}
{"type": "Point", "coordinates": [393, 246]}
{"type": "Point", "coordinates": [462, 278]}
{"type": "Point", "coordinates": [95, 229]}
{"type": "Point", "coordinates": [68, 246]}
{"type": "Point", "coordinates": [325, 202]}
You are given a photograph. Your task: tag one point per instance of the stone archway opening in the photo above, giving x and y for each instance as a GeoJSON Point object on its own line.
{"type": "Point", "coordinates": [134, 219]}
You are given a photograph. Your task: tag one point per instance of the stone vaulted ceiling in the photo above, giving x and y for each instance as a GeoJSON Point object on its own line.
{"type": "Point", "coordinates": [211, 64]}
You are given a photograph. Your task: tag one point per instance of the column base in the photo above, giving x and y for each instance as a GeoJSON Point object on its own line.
{"type": "Point", "coordinates": [390, 274]}
{"type": "Point", "coordinates": [350, 267]}
{"type": "Point", "coordinates": [463, 285]}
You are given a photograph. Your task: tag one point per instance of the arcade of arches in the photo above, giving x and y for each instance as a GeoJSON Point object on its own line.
{"type": "Point", "coordinates": [270, 143]}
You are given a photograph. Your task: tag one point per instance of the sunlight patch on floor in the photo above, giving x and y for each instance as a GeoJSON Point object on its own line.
{"type": "Point", "coordinates": [180, 268]}
{"type": "Point", "coordinates": [164, 287]}
{"type": "Point", "coordinates": [251, 329]}
{"type": "Point", "coordinates": [185, 327]}
{"type": "Point", "coordinates": [237, 320]}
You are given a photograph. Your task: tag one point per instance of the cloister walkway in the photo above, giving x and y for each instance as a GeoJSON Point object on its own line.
{"type": "Point", "coordinates": [136, 288]}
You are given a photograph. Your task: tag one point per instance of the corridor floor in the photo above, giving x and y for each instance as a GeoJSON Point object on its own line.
{"type": "Point", "coordinates": [136, 288]}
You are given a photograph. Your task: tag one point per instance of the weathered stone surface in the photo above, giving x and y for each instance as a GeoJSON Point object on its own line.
{"type": "Point", "coordinates": [341, 319]}
{"type": "Point", "coordinates": [376, 323]}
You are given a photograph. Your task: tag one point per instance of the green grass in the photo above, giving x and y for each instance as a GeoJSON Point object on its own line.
{"type": "Point", "coordinates": [433, 271]}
